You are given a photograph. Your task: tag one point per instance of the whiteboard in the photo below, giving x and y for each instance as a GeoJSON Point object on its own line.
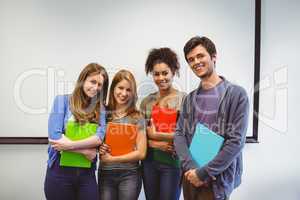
{"type": "Point", "coordinates": [45, 45]}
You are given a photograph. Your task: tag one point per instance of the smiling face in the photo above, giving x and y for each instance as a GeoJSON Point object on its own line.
{"type": "Point", "coordinates": [202, 64]}
{"type": "Point", "coordinates": [93, 84]}
{"type": "Point", "coordinates": [123, 93]}
{"type": "Point", "coordinates": [162, 76]}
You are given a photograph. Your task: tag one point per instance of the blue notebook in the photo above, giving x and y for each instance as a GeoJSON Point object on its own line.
{"type": "Point", "coordinates": [205, 145]}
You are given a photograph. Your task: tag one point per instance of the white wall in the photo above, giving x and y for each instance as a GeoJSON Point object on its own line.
{"type": "Point", "coordinates": [271, 167]}
{"type": "Point", "coordinates": [45, 44]}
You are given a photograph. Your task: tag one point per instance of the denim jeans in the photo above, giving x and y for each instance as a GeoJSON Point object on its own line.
{"type": "Point", "coordinates": [70, 183]}
{"type": "Point", "coordinates": [119, 184]}
{"type": "Point", "coordinates": [161, 181]}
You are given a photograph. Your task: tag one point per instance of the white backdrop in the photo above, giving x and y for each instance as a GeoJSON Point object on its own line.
{"type": "Point", "coordinates": [45, 44]}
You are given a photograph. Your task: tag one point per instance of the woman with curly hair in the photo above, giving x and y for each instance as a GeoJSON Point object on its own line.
{"type": "Point", "coordinates": [161, 168]}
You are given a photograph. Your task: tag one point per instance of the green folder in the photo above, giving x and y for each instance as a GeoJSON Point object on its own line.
{"type": "Point", "coordinates": [165, 158]}
{"type": "Point", "coordinates": [75, 131]}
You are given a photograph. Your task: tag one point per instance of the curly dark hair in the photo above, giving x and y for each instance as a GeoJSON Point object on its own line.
{"type": "Point", "coordinates": [203, 41]}
{"type": "Point", "coordinates": [162, 55]}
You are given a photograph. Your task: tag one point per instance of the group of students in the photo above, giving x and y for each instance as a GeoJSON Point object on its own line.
{"type": "Point", "coordinates": [160, 160]}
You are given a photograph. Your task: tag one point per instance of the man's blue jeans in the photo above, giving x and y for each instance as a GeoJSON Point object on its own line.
{"type": "Point", "coordinates": [161, 181]}
{"type": "Point", "coordinates": [70, 183]}
{"type": "Point", "coordinates": [119, 184]}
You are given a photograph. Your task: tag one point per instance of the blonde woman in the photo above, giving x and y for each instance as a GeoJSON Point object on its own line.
{"type": "Point", "coordinates": [119, 175]}
{"type": "Point", "coordinates": [75, 114]}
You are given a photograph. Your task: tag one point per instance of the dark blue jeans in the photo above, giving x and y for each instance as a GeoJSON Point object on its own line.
{"type": "Point", "coordinates": [161, 181]}
{"type": "Point", "coordinates": [119, 184]}
{"type": "Point", "coordinates": [70, 183]}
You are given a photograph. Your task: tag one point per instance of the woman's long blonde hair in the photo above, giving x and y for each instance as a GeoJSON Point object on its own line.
{"type": "Point", "coordinates": [84, 108]}
{"type": "Point", "coordinates": [131, 106]}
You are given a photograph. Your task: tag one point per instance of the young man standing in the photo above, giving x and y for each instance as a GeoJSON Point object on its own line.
{"type": "Point", "coordinates": [222, 107]}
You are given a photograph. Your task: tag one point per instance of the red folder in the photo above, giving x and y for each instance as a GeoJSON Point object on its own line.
{"type": "Point", "coordinates": [164, 119]}
{"type": "Point", "coordinates": [121, 138]}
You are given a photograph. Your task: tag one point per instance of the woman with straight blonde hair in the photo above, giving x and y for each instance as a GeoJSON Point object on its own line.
{"type": "Point", "coordinates": [119, 175]}
{"type": "Point", "coordinates": [76, 127]}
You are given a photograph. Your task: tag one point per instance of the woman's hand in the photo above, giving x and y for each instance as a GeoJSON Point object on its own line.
{"type": "Point", "coordinates": [107, 158]}
{"type": "Point", "coordinates": [103, 149]}
{"type": "Point", "coordinates": [90, 154]}
{"type": "Point", "coordinates": [162, 145]}
{"type": "Point", "coordinates": [151, 129]}
{"type": "Point", "coordinates": [61, 144]}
